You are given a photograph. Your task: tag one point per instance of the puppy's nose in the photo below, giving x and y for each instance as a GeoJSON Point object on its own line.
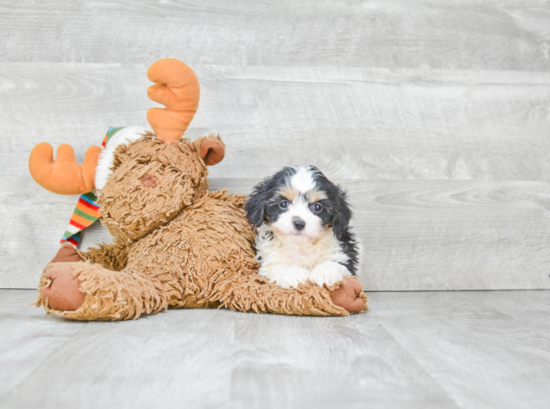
{"type": "Point", "coordinates": [299, 224]}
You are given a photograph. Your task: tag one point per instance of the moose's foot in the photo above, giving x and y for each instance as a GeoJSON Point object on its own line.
{"type": "Point", "coordinates": [349, 296]}
{"type": "Point", "coordinates": [66, 254]}
{"type": "Point", "coordinates": [63, 291]}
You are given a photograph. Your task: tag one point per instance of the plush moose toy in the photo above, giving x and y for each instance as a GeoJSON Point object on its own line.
{"type": "Point", "coordinates": [176, 245]}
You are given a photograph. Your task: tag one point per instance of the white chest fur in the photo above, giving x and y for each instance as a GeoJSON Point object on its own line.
{"type": "Point", "coordinates": [289, 263]}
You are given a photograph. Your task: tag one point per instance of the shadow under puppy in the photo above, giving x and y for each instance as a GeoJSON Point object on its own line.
{"type": "Point", "coordinates": [303, 228]}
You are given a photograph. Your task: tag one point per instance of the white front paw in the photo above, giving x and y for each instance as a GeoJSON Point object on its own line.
{"type": "Point", "coordinates": [286, 276]}
{"type": "Point", "coordinates": [329, 272]}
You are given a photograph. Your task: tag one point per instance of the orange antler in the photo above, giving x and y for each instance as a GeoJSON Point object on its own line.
{"type": "Point", "coordinates": [64, 176]}
{"type": "Point", "coordinates": [178, 89]}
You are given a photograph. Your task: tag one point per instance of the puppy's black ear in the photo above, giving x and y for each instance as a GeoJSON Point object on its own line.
{"type": "Point", "coordinates": [342, 212]}
{"type": "Point", "coordinates": [255, 204]}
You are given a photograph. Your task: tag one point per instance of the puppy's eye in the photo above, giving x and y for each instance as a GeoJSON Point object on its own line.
{"type": "Point", "coordinates": [316, 207]}
{"type": "Point", "coordinates": [283, 204]}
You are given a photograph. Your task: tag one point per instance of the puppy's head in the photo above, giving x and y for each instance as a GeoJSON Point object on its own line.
{"type": "Point", "coordinates": [300, 204]}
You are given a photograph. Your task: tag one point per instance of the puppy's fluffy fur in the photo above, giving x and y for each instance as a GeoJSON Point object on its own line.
{"type": "Point", "coordinates": [303, 228]}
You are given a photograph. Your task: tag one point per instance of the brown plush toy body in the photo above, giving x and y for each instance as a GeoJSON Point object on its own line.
{"type": "Point", "coordinates": [176, 245]}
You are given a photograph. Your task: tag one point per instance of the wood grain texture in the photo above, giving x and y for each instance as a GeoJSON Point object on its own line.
{"type": "Point", "coordinates": [411, 350]}
{"type": "Point", "coordinates": [351, 123]}
{"type": "Point", "coordinates": [435, 116]}
{"type": "Point", "coordinates": [447, 235]}
{"type": "Point", "coordinates": [416, 235]}
{"type": "Point", "coordinates": [22, 352]}
{"type": "Point", "coordinates": [479, 35]}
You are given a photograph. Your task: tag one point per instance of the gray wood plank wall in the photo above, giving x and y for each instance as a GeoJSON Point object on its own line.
{"type": "Point", "coordinates": [435, 116]}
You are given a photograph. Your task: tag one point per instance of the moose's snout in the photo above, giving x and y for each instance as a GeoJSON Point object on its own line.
{"type": "Point", "coordinates": [149, 181]}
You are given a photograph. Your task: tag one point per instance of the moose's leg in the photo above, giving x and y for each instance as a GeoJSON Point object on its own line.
{"type": "Point", "coordinates": [66, 253]}
{"type": "Point", "coordinates": [255, 293]}
{"type": "Point", "coordinates": [62, 289]}
{"type": "Point", "coordinates": [85, 291]}
{"type": "Point", "coordinates": [349, 295]}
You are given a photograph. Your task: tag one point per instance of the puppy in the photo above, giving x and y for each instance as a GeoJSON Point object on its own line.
{"type": "Point", "coordinates": [303, 228]}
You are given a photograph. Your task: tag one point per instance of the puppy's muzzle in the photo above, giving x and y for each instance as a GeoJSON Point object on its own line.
{"type": "Point", "coordinates": [299, 224]}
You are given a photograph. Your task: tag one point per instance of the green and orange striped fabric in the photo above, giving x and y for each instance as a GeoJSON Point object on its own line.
{"type": "Point", "coordinates": [85, 214]}
{"type": "Point", "coordinates": [86, 211]}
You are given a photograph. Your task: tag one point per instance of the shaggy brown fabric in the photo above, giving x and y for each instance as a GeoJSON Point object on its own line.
{"type": "Point", "coordinates": [129, 209]}
{"type": "Point", "coordinates": [178, 246]}
{"type": "Point", "coordinates": [111, 256]}
{"type": "Point", "coordinates": [175, 244]}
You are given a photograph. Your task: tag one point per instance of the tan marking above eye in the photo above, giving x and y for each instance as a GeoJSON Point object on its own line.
{"type": "Point", "coordinates": [315, 195]}
{"type": "Point", "coordinates": [289, 193]}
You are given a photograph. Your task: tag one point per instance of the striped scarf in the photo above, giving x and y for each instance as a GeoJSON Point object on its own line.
{"type": "Point", "coordinates": [86, 211]}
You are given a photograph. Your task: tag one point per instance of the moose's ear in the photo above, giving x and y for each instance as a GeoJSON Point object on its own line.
{"type": "Point", "coordinates": [211, 149]}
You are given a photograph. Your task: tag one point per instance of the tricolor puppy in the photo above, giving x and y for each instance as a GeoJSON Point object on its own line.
{"type": "Point", "coordinates": [303, 228]}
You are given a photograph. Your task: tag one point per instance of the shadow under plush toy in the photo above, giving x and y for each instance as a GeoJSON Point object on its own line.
{"type": "Point", "coordinates": [176, 245]}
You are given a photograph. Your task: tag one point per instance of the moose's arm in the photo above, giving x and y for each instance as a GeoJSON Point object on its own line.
{"type": "Point", "coordinates": [253, 293]}
{"type": "Point", "coordinates": [111, 256]}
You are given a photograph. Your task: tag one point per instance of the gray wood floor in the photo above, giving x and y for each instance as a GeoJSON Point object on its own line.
{"type": "Point", "coordinates": [411, 350]}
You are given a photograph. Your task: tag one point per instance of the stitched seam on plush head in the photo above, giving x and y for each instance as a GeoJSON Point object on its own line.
{"type": "Point", "coordinates": [105, 164]}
